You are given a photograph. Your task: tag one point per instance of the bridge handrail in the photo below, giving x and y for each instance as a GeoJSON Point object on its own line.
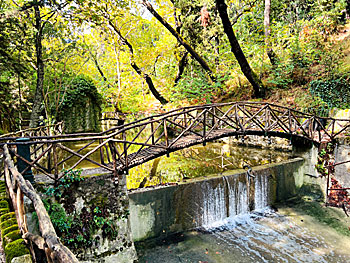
{"type": "Point", "coordinates": [188, 126]}
{"type": "Point", "coordinates": [48, 241]}
{"type": "Point", "coordinates": [57, 127]}
{"type": "Point", "coordinates": [154, 118]}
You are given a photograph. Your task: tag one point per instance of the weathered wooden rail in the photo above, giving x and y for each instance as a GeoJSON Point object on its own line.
{"type": "Point", "coordinates": [39, 131]}
{"type": "Point", "coordinates": [48, 241]}
{"type": "Point", "coordinates": [132, 144]}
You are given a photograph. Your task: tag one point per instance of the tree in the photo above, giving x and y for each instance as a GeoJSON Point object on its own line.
{"type": "Point", "coordinates": [270, 53]}
{"type": "Point", "coordinates": [105, 17]}
{"type": "Point", "coordinates": [259, 89]}
{"type": "Point", "coordinates": [179, 38]}
{"type": "Point", "coordinates": [42, 17]}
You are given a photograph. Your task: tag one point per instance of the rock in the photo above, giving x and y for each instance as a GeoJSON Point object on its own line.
{"type": "Point", "coordinates": [22, 259]}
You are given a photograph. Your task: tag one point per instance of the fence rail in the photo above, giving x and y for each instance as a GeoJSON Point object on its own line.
{"type": "Point", "coordinates": [48, 241]}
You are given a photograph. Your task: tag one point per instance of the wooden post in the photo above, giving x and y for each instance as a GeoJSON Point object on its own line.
{"type": "Point", "coordinates": [114, 158]}
{"type": "Point", "coordinates": [49, 161]}
{"type": "Point", "coordinates": [55, 160]}
{"type": "Point", "coordinates": [166, 137]}
{"type": "Point", "coordinates": [213, 119]}
{"type": "Point", "coordinates": [204, 127]}
{"type": "Point", "coordinates": [185, 119]}
{"type": "Point", "coordinates": [125, 151]}
{"type": "Point", "coordinates": [101, 152]}
{"type": "Point", "coordinates": [152, 130]}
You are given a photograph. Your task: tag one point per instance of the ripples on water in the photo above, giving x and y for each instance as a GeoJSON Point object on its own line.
{"type": "Point", "coordinates": [263, 236]}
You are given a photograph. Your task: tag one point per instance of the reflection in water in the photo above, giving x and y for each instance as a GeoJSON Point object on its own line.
{"type": "Point", "coordinates": [258, 237]}
{"type": "Point", "coordinates": [192, 162]}
{"type": "Point", "coordinates": [198, 161]}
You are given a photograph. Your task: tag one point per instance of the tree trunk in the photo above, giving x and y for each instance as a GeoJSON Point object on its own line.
{"type": "Point", "coordinates": [181, 68]}
{"type": "Point", "coordinates": [259, 89]}
{"type": "Point", "coordinates": [39, 97]}
{"type": "Point", "coordinates": [270, 53]}
{"type": "Point", "coordinates": [138, 70]}
{"type": "Point", "coordinates": [179, 38]}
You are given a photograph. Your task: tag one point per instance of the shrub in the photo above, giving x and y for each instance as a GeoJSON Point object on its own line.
{"type": "Point", "coordinates": [335, 93]}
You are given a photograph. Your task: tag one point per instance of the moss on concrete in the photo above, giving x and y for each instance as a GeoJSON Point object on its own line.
{"type": "Point", "coordinates": [10, 237]}
{"type": "Point", "coordinates": [4, 204]}
{"type": "Point", "coordinates": [8, 230]}
{"type": "Point", "coordinates": [7, 216]}
{"type": "Point", "coordinates": [14, 249]}
{"type": "Point", "coordinates": [8, 223]}
{"type": "Point", "coordinates": [4, 211]}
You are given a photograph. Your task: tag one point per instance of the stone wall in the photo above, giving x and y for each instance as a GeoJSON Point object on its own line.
{"type": "Point", "coordinates": [103, 193]}
{"type": "Point", "coordinates": [83, 119]}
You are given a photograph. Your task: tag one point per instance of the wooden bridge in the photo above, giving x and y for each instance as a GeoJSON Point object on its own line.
{"type": "Point", "coordinates": [132, 144]}
{"type": "Point", "coordinates": [135, 143]}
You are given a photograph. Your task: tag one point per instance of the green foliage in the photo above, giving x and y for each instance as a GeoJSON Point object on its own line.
{"type": "Point", "coordinates": [197, 88]}
{"type": "Point", "coordinates": [80, 88]}
{"type": "Point", "coordinates": [71, 177]}
{"type": "Point", "coordinates": [81, 100]}
{"type": "Point", "coordinates": [76, 230]}
{"type": "Point", "coordinates": [336, 93]}
{"type": "Point", "coordinates": [14, 249]}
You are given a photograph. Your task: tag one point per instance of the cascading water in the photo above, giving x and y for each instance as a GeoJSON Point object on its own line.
{"type": "Point", "coordinates": [235, 234]}
{"type": "Point", "coordinates": [261, 192]}
{"type": "Point", "coordinates": [214, 207]}
{"type": "Point", "coordinates": [232, 198]}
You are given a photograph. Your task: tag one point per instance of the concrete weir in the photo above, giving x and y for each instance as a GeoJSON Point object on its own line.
{"type": "Point", "coordinates": [158, 212]}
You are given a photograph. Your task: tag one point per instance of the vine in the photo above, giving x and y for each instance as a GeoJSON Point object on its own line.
{"type": "Point", "coordinates": [325, 167]}
{"type": "Point", "coordinates": [76, 230]}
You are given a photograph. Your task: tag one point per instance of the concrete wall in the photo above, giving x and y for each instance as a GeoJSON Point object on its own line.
{"type": "Point", "coordinates": [158, 212]}
{"type": "Point", "coordinates": [342, 154]}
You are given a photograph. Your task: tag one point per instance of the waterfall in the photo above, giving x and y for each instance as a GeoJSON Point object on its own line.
{"type": "Point", "coordinates": [214, 205]}
{"type": "Point", "coordinates": [261, 192]}
{"type": "Point", "coordinates": [230, 198]}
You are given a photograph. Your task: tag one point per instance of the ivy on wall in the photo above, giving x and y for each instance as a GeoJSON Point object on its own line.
{"type": "Point", "coordinates": [81, 107]}
{"type": "Point", "coordinates": [77, 230]}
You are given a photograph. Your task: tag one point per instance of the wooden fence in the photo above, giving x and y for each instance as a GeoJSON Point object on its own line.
{"type": "Point", "coordinates": [48, 241]}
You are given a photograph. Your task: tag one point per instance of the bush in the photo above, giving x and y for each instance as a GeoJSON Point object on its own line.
{"type": "Point", "coordinates": [336, 93]}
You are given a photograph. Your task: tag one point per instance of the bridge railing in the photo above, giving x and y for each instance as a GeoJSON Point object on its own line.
{"type": "Point", "coordinates": [48, 241]}
{"type": "Point", "coordinates": [41, 131]}
{"type": "Point", "coordinates": [126, 146]}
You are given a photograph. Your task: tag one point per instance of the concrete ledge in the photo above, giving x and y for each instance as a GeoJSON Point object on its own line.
{"type": "Point", "coordinates": [158, 212]}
